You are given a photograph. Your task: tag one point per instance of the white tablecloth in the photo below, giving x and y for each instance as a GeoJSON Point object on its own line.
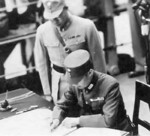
{"type": "Point", "coordinates": [37, 123]}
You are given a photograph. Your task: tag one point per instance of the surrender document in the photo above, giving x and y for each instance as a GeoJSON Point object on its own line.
{"type": "Point", "coordinates": [98, 132]}
{"type": "Point", "coordinates": [63, 131]}
{"type": "Point", "coordinates": [37, 123]}
{"type": "Point", "coordinates": [31, 123]}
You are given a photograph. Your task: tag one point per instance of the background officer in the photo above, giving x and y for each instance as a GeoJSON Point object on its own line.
{"type": "Point", "coordinates": [96, 93]}
{"type": "Point", "coordinates": [60, 35]}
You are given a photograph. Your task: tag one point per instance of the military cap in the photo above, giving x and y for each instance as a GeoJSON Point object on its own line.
{"type": "Point", "coordinates": [53, 8]}
{"type": "Point", "coordinates": [77, 64]}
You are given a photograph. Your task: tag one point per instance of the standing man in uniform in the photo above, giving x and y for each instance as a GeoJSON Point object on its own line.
{"type": "Point", "coordinates": [61, 34]}
{"type": "Point", "coordinates": [97, 94]}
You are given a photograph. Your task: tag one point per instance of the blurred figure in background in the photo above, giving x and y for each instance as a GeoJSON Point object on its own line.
{"type": "Point", "coordinates": [21, 18]}
{"type": "Point", "coordinates": [22, 15]}
{"type": "Point", "coordinates": [20, 12]}
{"type": "Point", "coordinates": [138, 41]}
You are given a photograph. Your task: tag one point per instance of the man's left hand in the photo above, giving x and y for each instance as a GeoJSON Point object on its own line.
{"type": "Point", "coordinates": [70, 122]}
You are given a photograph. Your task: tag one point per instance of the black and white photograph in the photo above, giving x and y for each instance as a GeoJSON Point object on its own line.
{"type": "Point", "coordinates": [75, 67]}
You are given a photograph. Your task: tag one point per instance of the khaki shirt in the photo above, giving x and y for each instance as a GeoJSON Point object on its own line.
{"type": "Point", "coordinates": [81, 34]}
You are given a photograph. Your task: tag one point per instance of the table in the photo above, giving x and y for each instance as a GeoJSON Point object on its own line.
{"type": "Point", "coordinates": [32, 123]}
{"type": "Point", "coordinates": [36, 122]}
{"type": "Point", "coordinates": [22, 99]}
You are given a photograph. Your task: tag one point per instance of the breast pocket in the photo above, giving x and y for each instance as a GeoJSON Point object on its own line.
{"type": "Point", "coordinates": [52, 44]}
{"type": "Point", "coordinates": [55, 51]}
{"type": "Point", "coordinates": [53, 48]}
{"type": "Point", "coordinates": [76, 43]}
{"type": "Point", "coordinates": [97, 104]}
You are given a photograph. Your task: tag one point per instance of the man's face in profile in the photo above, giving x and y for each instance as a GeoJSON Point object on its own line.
{"type": "Point", "coordinates": [61, 20]}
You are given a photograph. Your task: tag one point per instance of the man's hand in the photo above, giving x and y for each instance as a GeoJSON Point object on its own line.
{"type": "Point", "coordinates": [48, 98]}
{"type": "Point", "coordinates": [70, 122]}
{"type": "Point", "coordinates": [54, 124]}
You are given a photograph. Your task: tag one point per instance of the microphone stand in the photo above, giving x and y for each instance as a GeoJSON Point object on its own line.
{"type": "Point", "coordinates": [145, 7]}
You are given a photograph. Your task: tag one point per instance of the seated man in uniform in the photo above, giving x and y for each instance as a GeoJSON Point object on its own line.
{"type": "Point", "coordinates": [97, 94]}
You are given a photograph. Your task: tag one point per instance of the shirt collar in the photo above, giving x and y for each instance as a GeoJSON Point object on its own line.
{"type": "Point", "coordinates": [92, 84]}
{"type": "Point", "coordinates": [67, 25]}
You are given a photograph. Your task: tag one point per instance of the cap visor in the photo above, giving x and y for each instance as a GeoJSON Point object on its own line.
{"type": "Point", "coordinates": [49, 15]}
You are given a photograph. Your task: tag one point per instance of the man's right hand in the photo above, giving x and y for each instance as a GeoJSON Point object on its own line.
{"type": "Point", "coordinates": [48, 98]}
{"type": "Point", "coordinates": [54, 124]}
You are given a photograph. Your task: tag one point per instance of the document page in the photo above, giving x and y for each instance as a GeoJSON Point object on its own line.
{"type": "Point", "coordinates": [98, 132]}
{"type": "Point", "coordinates": [32, 123]}
{"type": "Point", "coordinates": [63, 131]}
{"type": "Point", "coordinates": [37, 123]}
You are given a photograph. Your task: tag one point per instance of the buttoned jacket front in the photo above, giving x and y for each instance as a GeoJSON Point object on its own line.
{"type": "Point", "coordinates": [105, 107]}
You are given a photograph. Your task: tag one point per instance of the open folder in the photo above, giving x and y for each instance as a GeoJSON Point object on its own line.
{"type": "Point", "coordinates": [87, 131]}
{"type": "Point", "coordinates": [37, 123]}
{"type": "Point", "coordinates": [63, 131]}
{"type": "Point", "coordinates": [98, 132]}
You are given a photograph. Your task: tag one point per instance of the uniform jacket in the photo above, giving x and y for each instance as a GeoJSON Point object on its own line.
{"type": "Point", "coordinates": [81, 34]}
{"type": "Point", "coordinates": [103, 105]}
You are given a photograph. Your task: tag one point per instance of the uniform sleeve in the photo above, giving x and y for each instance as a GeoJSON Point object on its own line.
{"type": "Point", "coordinates": [41, 63]}
{"type": "Point", "coordinates": [95, 49]}
{"type": "Point", "coordinates": [67, 101]}
{"type": "Point", "coordinates": [110, 110]}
